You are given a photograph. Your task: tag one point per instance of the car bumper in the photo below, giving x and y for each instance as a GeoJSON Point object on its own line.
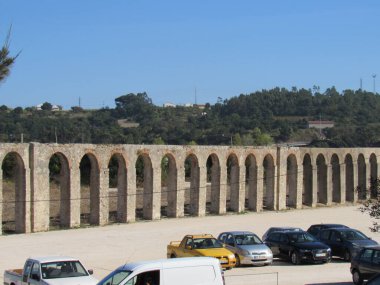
{"type": "Point", "coordinates": [256, 259]}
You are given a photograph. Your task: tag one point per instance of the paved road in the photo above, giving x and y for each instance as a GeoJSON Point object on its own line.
{"type": "Point", "coordinates": [105, 248]}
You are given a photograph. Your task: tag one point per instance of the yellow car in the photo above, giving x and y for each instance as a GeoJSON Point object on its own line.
{"type": "Point", "coordinates": [202, 245]}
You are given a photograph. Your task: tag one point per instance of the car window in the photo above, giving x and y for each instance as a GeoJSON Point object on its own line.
{"type": "Point", "coordinates": [222, 237]}
{"type": "Point", "coordinates": [230, 240]}
{"type": "Point", "coordinates": [335, 236]}
{"type": "Point", "coordinates": [284, 238]}
{"type": "Point", "coordinates": [274, 237]}
{"type": "Point", "coordinates": [247, 239]}
{"type": "Point", "coordinates": [324, 235]}
{"type": "Point", "coordinates": [366, 255]}
{"type": "Point", "coordinates": [189, 242]}
{"type": "Point", "coordinates": [314, 229]}
{"type": "Point", "coordinates": [376, 257]}
{"type": "Point", "coordinates": [353, 235]}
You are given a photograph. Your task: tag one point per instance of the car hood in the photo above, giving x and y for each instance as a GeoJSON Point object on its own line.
{"type": "Point", "coordinates": [311, 245]}
{"type": "Point", "coordinates": [254, 247]}
{"type": "Point", "coordinates": [84, 280]}
{"type": "Point", "coordinates": [214, 252]}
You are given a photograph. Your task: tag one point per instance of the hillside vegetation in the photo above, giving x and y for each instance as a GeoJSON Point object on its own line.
{"type": "Point", "coordinates": [260, 118]}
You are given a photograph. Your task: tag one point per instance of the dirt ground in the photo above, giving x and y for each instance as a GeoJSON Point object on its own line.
{"type": "Point", "coordinates": [105, 248]}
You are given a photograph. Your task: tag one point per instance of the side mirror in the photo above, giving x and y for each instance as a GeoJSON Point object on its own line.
{"type": "Point", "coordinates": [90, 271]}
{"type": "Point", "coordinates": [189, 247]}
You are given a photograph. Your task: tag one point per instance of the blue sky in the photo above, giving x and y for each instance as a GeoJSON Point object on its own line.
{"type": "Point", "coordinates": [99, 50]}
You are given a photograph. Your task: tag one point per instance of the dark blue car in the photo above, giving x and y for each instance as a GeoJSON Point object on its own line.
{"type": "Point", "coordinates": [345, 242]}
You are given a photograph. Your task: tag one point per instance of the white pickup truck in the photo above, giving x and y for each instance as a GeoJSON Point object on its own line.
{"type": "Point", "coordinates": [51, 270]}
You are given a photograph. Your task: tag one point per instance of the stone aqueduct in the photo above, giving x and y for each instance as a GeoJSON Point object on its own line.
{"type": "Point", "coordinates": [257, 178]}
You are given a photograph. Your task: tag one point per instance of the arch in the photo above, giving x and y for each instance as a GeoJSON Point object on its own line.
{"type": "Point", "coordinates": [335, 167]}
{"type": "Point", "coordinates": [13, 194]}
{"type": "Point", "coordinates": [213, 177]}
{"type": "Point", "coordinates": [251, 183]}
{"type": "Point", "coordinates": [291, 181]}
{"type": "Point", "coordinates": [117, 190]}
{"type": "Point", "coordinates": [350, 188]}
{"type": "Point", "coordinates": [60, 192]}
{"type": "Point", "coordinates": [307, 192]}
{"type": "Point", "coordinates": [321, 180]}
{"type": "Point", "coordinates": [374, 176]}
{"type": "Point", "coordinates": [362, 178]}
{"type": "Point", "coordinates": [90, 182]}
{"type": "Point", "coordinates": [233, 171]}
{"type": "Point", "coordinates": [169, 183]}
{"type": "Point", "coordinates": [144, 179]}
{"type": "Point", "coordinates": [268, 183]}
{"type": "Point", "coordinates": [192, 175]}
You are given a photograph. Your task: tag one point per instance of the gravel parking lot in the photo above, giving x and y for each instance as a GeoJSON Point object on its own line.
{"type": "Point", "coordinates": [105, 248]}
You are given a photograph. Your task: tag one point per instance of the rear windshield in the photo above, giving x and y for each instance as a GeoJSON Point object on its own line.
{"type": "Point", "coordinates": [115, 277]}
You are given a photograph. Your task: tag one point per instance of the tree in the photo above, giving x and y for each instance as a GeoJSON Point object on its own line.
{"type": "Point", "coordinates": [6, 61]}
{"type": "Point", "coordinates": [372, 205]}
{"type": "Point", "coordinates": [46, 106]}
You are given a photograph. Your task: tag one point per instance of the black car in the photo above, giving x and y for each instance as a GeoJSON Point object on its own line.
{"type": "Point", "coordinates": [375, 280]}
{"type": "Point", "coordinates": [279, 229]}
{"type": "Point", "coordinates": [298, 246]}
{"type": "Point", "coordinates": [315, 229]}
{"type": "Point", "coordinates": [365, 264]}
{"type": "Point", "coordinates": [345, 242]}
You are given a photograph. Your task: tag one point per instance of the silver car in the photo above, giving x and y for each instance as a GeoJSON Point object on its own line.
{"type": "Point", "coordinates": [248, 248]}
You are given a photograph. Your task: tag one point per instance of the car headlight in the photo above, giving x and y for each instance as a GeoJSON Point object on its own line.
{"type": "Point", "coordinates": [328, 250]}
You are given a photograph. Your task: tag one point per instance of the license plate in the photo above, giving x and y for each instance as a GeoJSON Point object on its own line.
{"type": "Point", "coordinates": [223, 261]}
{"type": "Point", "coordinates": [257, 257]}
{"type": "Point", "coordinates": [320, 254]}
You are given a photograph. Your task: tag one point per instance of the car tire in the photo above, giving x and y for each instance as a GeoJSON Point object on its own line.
{"type": "Point", "coordinates": [237, 264]}
{"type": "Point", "coordinates": [294, 258]}
{"type": "Point", "coordinates": [357, 278]}
{"type": "Point", "coordinates": [347, 255]}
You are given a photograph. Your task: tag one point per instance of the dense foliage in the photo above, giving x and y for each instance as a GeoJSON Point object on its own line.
{"type": "Point", "coordinates": [264, 117]}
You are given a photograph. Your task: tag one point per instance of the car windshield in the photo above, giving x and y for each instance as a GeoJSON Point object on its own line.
{"type": "Point", "coordinates": [247, 239]}
{"type": "Point", "coordinates": [200, 243]}
{"type": "Point", "coordinates": [353, 235]}
{"type": "Point", "coordinates": [300, 237]}
{"type": "Point", "coordinates": [62, 269]}
{"type": "Point", "coordinates": [115, 277]}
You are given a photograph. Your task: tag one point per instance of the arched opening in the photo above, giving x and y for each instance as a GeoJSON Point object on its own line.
{"type": "Point", "coordinates": [89, 180]}
{"type": "Point", "coordinates": [192, 178]}
{"type": "Point", "coordinates": [362, 181]}
{"type": "Point", "coordinates": [374, 178]}
{"type": "Point", "coordinates": [251, 183]}
{"type": "Point", "coordinates": [307, 191]}
{"type": "Point", "coordinates": [213, 184]}
{"type": "Point", "coordinates": [291, 181]}
{"type": "Point", "coordinates": [117, 189]}
{"type": "Point", "coordinates": [321, 180]}
{"type": "Point", "coordinates": [169, 186]}
{"type": "Point", "coordinates": [268, 183]}
{"type": "Point", "coordinates": [350, 188]}
{"type": "Point", "coordinates": [335, 167]}
{"type": "Point", "coordinates": [14, 194]}
{"type": "Point", "coordinates": [144, 187]}
{"type": "Point", "coordinates": [60, 196]}
{"type": "Point", "coordinates": [232, 199]}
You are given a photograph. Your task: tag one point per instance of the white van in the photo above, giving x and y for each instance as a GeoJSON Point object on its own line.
{"type": "Point", "coordinates": [184, 271]}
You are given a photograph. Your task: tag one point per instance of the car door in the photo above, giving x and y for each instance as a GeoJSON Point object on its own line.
{"type": "Point", "coordinates": [284, 246]}
{"type": "Point", "coordinates": [336, 243]}
{"type": "Point", "coordinates": [188, 248]}
{"type": "Point", "coordinates": [365, 263]}
{"type": "Point", "coordinates": [272, 242]}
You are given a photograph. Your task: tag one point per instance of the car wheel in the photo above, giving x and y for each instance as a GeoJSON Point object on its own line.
{"type": "Point", "coordinates": [237, 260]}
{"type": "Point", "coordinates": [357, 278]}
{"type": "Point", "coordinates": [347, 255]}
{"type": "Point", "coordinates": [295, 259]}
